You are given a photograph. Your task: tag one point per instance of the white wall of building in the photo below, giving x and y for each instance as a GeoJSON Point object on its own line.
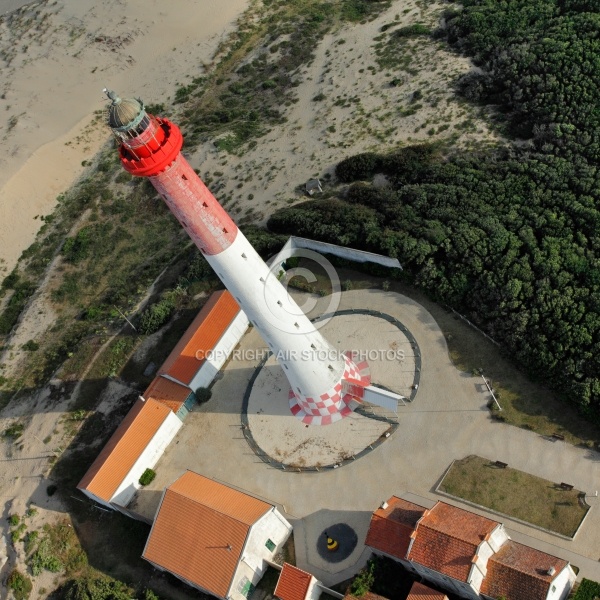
{"type": "Point", "coordinates": [562, 584]}
{"type": "Point", "coordinates": [271, 526]}
{"type": "Point", "coordinates": [314, 590]}
{"type": "Point", "coordinates": [147, 459]}
{"type": "Point", "coordinates": [448, 583]}
{"type": "Point", "coordinates": [498, 537]}
{"type": "Point", "coordinates": [220, 353]}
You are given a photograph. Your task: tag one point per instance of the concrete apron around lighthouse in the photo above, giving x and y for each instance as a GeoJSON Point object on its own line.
{"type": "Point", "coordinates": [320, 390]}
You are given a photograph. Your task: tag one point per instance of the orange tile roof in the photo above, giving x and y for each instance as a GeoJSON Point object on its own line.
{"type": "Point", "coordinates": [447, 538]}
{"type": "Point", "coordinates": [167, 392]}
{"type": "Point", "coordinates": [418, 591]}
{"type": "Point", "coordinates": [293, 583]}
{"type": "Point", "coordinates": [200, 337]}
{"type": "Point", "coordinates": [519, 572]}
{"type": "Point", "coordinates": [391, 527]}
{"type": "Point", "coordinates": [123, 448]}
{"type": "Point", "coordinates": [200, 531]}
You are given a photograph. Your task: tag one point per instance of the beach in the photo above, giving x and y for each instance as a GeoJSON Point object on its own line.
{"type": "Point", "coordinates": [55, 59]}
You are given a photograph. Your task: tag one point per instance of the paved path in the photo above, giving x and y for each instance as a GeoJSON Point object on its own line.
{"type": "Point", "coordinates": [447, 420]}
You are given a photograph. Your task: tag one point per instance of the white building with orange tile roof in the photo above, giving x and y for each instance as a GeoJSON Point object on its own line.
{"type": "Point", "coordinates": [465, 553]}
{"type": "Point", "coordinates": [207, 342]}
{"type": "Point", "coordinates": [213, 537]}
{"type": "Point", "coordinates": [135, 446]}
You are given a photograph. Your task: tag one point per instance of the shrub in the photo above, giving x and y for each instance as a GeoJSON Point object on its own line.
{"type": "Point", "coordinates": [364, 581]}
{"type": "Point", "coordinates": [43, 559]}
{"type": "Point", "coordinates": [14, 520]}
{"type": "Point", "coordinates": [155, 316]}
{"type": "Point", "coordinates": [587, 590]}
{"type": "Point", "coordinates": [30, 540]}
{"type": "Point", "coordinates": [19, 584]}
{"type": "Point", "coordinates": [100, 588]}
{"type": "Point", "coordinates": [30, 346]}
{"type": "Point", "coordinates": [203, 394]}
{"type": "Point", "coordinates": [360, 166]}
{"type": "Point", "coordinates": [147, 477]}
{"type": "Point", "coordinates": [14, 431]}
{"type": "Point", "coordinates": [412, 30]}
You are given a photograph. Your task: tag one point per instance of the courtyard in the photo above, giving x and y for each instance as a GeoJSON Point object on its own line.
{"type": "Point", "coordinates": [448, 419]}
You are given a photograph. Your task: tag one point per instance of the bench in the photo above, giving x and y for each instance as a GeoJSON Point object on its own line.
{"type": "Point", "coordinates": [558, 436]}
{"type": "Point", "coordinates": [500, 464]}
{"type": "Point", "coordinates": [566, 486]}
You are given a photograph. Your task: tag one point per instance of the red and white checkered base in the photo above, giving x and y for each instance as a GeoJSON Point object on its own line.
{"type": "Point", "coordinates": [333, 405]}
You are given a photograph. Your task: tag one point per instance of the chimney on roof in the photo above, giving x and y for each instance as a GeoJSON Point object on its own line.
{"type": "Point", "coordinates": [384, 505]}
{"type": "Point", "coordinates": [551, 571]}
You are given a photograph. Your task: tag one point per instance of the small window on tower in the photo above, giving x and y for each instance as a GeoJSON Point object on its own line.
{"type": "Point", "coordinates": [205, 205]}
{"type": "Point", "coordinates": [262, 279]}
{"type": "Point", "coordinates": [244, 256]}
{"type": "Point", "coordinates": [184, 177]}
{"type": "Point", "coordinates": [279, 302]}
{"type": "Point", "coordinates": [285, 366]}
{"type": "Point", "coordinates": [330, 367]}
{"type": "Point", "coordinates": [313, 346]}
{"type": "Point", "coordinates": [296, 326]}
{"type": "Point", "coordinates": [224, 230]}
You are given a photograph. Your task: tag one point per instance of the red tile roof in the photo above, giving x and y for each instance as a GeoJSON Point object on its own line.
{"type": "Point", "coordinates": [201, 337]}
{"type": "Point", "coordinates": [167, 392]}
{"type": "Point", "coordinates": [124, 448]}
{"type": "Point", "coordinates": [391, 527]}
{"type": "Point", "coordinates": [366, 596]}
{"type": "Point", "coordinates": [293, 583]}
{"type": "Point", "coordinates": [447, 538]}
{"type": "Point", "coordinates": [200, 531]}
{"type": "Point", "coordinates": [519, 572]}
{"type": "Point", "coordinates": [418, 591]}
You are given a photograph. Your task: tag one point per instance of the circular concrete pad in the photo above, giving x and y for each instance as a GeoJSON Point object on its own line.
{"type": "Point", "coordinates": [288, 440]}
{"type": "Point", "coordinates": [346, 538]}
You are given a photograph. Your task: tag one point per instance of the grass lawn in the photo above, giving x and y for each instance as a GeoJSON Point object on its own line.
{"type": "Point", "coordinates": [515, 494]}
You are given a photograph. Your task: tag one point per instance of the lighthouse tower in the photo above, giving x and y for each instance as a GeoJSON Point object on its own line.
{"type": "Point", "coordinates": [319, 376]}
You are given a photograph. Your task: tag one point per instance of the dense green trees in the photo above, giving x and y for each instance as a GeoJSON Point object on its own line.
{"type": "Point", "coordinates": [511, 237]}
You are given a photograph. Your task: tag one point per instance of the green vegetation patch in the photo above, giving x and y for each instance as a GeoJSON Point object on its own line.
{"type": "Point", "coordinates": [515, 494]}
{"type": "Point", "coordinates": [587, 590]}
{"type": "Point", "coordinates": [14, 432]}
{"type": "Point", "coordinates": [20, 585]}
{"type": "Point", "coordinates": [147, 477]}
{"type": "Point", "coordinates": [381, 576]}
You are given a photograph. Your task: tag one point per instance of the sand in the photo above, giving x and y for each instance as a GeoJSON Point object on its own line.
{"type": "Point", "coordinates": [55, 58]}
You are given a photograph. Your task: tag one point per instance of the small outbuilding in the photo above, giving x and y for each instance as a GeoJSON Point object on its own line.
{"type": "Point", "coordinates": [296, 584]}
{"type": "Point", "coordinates": [313, 186]}
{"type": "Point", "coordinates": [215, 538]}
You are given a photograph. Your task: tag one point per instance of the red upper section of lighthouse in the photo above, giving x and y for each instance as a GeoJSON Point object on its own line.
{"type": "Point", "coordinates": [153, 150]}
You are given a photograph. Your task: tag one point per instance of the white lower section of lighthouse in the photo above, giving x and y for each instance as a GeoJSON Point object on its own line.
{"type": "Point", "coordinates": [315, 370]}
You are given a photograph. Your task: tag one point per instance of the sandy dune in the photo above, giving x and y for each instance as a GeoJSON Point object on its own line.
{"type": "Point", "coordinates": [55, 58]}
